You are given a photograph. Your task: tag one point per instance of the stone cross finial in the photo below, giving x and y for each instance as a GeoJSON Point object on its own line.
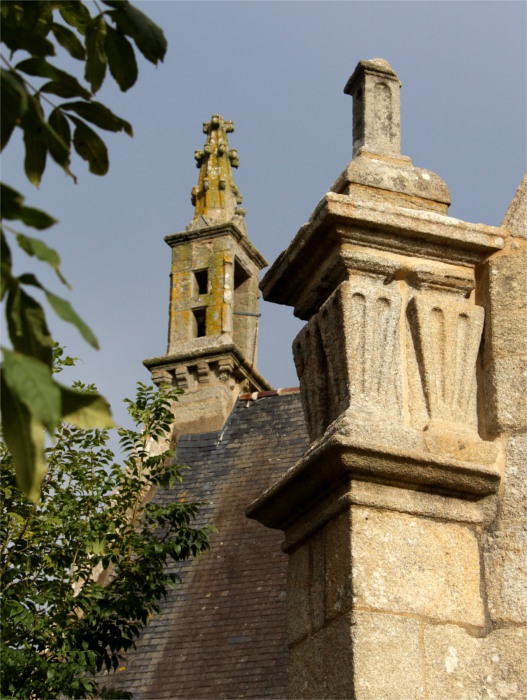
{"type": "Point", "coordinates": [216, 197]}
{"type": "Point", "coordinates": [375, 87]}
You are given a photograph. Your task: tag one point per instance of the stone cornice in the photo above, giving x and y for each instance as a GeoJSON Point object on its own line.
{"type": "Point", "coordinates": [210, 354]}
{"type": "Point", "coordinates": [228, 228]}
{"type": "Point", "coordinates": [340, 220]}
{"type": "Point", "coordinates": [332, 462]}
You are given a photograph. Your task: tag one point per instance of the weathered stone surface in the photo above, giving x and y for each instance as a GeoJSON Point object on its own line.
{"type": "Point", "coordinates": [376, 107]}
{"type": "Point", "coordinates": [447, 333]}
{"type": "Point", "coordinates": [348, 354]}
{"type": "Point", "coordinates": [298, 581]}
{"type": "Point", "coordinates": [339, 563]}
{"type": "Point", "coordinates": [416, 566]}
{"type": "Point", "coordinates": [503, 291]}
{"type": "Point", "coordinates": [306, 605]}
{"type": "Point", "coordinates": [381, 179]}
{"type": "Point", "coordinates": [211, 376]}
{"type": "Point", "coordinates": [386, 658]}
{"type": "Point", "coordinates": [385, 561]}
{"type": "Point", "coordinates": [516, 217]}
{"type": "Point", "coordinates": [507, 292]}
{"type": "Point", "coordinates": [513, 499]}
{"type": "Point", "coordinates": [216, 197]}
{"type": "Point", "coordinates": [321, 666]}
{"type": "Point", "coordinates": [505, 557]}
{"type": "Point", "coordinates": [462, 667]}
{"type": "Point", "coordinates": [317, 589]}
{"type": "Point", "coordinates": [506, 393]}
{"type": "Point", "coordinates": [362, 655]}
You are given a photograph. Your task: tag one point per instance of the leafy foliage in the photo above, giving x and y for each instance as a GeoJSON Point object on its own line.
{"type": "Point", "coordinates": [84, 570]}
{"type": "Point", "coordinates": [31, 399]}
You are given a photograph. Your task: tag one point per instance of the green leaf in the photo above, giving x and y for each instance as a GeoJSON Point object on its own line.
{"type": "Point", "coordinates": [33, 385]}
{"type": "Point", "coordinates": [90, 147]}
{"type": "Point", "coordinates": [121, 59]}
{"type": "Point", "coordinates": [85, 410]}
{"type": "Point", "coordinates": [20, 38]}
{"type": "Point", "coordinates": [12, 209]}
{"type": "Point", "coordinates": [11, 201]}
{"type": "Point", "coordinates": [36, 218]}
{"type": "Point", "coordinates": [64, 310]}
{"type": "Point", "coordinates": [34, 141]}
{"type": "Point", "coordinates": [96, 60]}
{"type": "Point", "coordinates": [5, 265]}
{"type": "Point", "coordinates": [29, 278]}
{"type": "Point", "coordinates": [42, 69]}
{"type": "Point", "coordinates": [13, 96]}
{"type": "Point", "coordinates": [98, 114]}
{"type": "Point", "coordinates": [75, 14]}
{"type": "Point", "coordinates": [34, 246]}
{"type": "Point", "coordinates": [62, 89]}
{"type": "Point", "coordinates": [148, 37]}
{"type": "Point", "coordinates": [60, 125]}
{"type": "Point", "coordinates": [60, 149]}
{"type": "Point", "coordinates": [69, 41]}
{"type": "Point", "coordinates": [24, 437]}
{"type": "Point", "coordinates": [26, 323]}
{"type": "Point", "coordinates": [96, 547]}
{"type": "Point", "coordinates": [38, 137]}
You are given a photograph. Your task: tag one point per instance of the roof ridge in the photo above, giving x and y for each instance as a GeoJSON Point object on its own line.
{"type": "Point", "coordinates": [255, 395]}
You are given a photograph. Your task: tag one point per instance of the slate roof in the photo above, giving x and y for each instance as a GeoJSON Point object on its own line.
{"type": "Point", "coordinates": [222, 632]}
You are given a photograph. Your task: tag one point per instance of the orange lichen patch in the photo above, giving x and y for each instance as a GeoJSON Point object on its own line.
{"type": "Point", "coordinates": [218, 281]}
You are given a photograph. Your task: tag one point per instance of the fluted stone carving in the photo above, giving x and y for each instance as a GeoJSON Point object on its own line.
{"type": "Point", "coordinates": [348, 356]}
{"type": "Point", "coordinates": [396, 360]}
{"type": "Point", "coordinates": [447, 337]}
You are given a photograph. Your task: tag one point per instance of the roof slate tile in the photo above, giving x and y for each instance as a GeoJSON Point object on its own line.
{"type": "Point", "coordinates": [222, 631]}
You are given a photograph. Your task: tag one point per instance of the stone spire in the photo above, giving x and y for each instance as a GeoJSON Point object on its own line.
{"type": "Point", "coordinates": [216, 198]}
{"type": "Point", "coordinates": [213, 311]}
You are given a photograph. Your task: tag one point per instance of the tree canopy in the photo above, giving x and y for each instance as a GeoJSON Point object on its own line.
{"type": "Point", "coordinates": [85, 568]}
{"type": "Point", "coordinates": [58, 116]}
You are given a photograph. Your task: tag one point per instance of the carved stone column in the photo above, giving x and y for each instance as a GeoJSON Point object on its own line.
{"type": "Point", "coordinates": [384, 513]}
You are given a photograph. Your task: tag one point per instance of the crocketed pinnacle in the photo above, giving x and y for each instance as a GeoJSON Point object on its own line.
{"type": "Point", "coordinates": [216, 198]}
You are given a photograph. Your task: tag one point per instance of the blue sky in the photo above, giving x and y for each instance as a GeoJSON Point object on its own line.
{"type": "Point", "coordinates": [278, 70]}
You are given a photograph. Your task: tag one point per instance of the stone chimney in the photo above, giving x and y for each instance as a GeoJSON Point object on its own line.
{"type": "Point", "coordinates": [213, 312]}
{"type": "Point", "coordinates": [388, 515]}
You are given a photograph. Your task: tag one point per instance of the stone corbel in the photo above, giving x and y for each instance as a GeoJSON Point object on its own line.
{"type": "Point", "coordinates": [203, 372]}
{"type": "Point", "coordinates": [182, 377]}
{"type": "Point", "coordinates": [225, 368]}
{"type": "Point", "coordinates": [160, 375]}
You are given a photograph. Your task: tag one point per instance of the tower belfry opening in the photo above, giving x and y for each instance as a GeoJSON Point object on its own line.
{"type": "Point", "coordinates": [202, 281]}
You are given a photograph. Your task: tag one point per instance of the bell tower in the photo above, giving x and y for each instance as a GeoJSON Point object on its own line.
{"type": "Point", "coordinates": [213, 312]}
